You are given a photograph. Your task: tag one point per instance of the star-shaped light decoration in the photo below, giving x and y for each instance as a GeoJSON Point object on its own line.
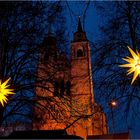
{"type": "Point", "coordinates": [133, 64]}
{"type": "Point", "coordinates": [5, 91]}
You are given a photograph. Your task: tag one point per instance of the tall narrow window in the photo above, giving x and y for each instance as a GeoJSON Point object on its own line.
{"type": "Point", "coordinates": [68, 87]}
{"type": "Point", "coordinates": [55, 56]}
{"type": "Point", "coordinates": [46, 57]}
{"type": "Point", "coordinates": [56, 88]}
{"type": "Point", "coordinates": [62, 88]}
{"type": "Point", "coordinates": [79, 53]}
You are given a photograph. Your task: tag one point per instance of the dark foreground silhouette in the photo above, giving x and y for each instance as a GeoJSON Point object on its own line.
{"type": "Point", "coordinates": [41, 134]}
{"type": "Point", "coordinates": [60, 134]}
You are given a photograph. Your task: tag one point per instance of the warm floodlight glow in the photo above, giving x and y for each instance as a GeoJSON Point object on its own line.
{"type": "Point", "coordinates": [133, 64]}
{"type": "Point", "coordinates": [5, 91]}
{"type": "Point", "coordinates": [113, 104]}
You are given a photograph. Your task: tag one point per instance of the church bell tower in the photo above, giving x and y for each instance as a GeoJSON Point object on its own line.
{"type": "Point", "coordinates": [65, 92]}
{"type": "Point", "coordinates": [81, 79]}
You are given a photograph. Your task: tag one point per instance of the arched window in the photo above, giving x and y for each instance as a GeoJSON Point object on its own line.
{"type": "Point", "coordinates": [46, 56]}
{"type": "Point", "coordinates": [55, 56]}
{"type": "Point", "coordinates": [62, 88]}
{"type": "Point", "coordinates": [79, 53]}
{"type": "Point", "coordinates": [56, 88]}
{"type": "Point", "coordinates": [68, 87]}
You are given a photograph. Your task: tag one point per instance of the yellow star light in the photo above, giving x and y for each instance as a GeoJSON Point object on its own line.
{"type": "Point", "coordinates": [133, 64]}
{"type": "Point", "coordinates": [5, 91]}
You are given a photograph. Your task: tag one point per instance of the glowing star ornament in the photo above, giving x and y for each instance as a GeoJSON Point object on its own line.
{"type": "Point", "coordinates": [5, 91]}
{"type": "Point", "coordinates": [133, 64]}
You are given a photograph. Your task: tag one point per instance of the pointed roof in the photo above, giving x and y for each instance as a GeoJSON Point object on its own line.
{"type": "Point", "coordinates": [79, 28]}
{"type": "Point", "coordinates": [50, 39]}
{"type": "Point", "coordinates": [79, 35]}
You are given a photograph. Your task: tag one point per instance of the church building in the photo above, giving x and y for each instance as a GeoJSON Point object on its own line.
{"type": "Point", "coordinates": [64, 91]}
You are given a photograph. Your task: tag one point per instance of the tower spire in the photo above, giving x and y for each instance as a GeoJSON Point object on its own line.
{"type": "Point", "coordinates": [79, 35]}
{"type": "Point", "coordinates": [79, 29]}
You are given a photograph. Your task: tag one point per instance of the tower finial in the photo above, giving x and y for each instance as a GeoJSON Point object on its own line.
{"type": "Point", "coordinates": [79, 29]}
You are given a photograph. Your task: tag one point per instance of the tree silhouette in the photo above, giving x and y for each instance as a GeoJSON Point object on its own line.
{"type": "Point", "coordinates": [22, 27]}
{"type": "Point", "coordinates": [120, 29]}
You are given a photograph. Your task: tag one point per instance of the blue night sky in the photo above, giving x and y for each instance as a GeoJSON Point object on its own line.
{"type": "Point", "coordinates": [93, 20]}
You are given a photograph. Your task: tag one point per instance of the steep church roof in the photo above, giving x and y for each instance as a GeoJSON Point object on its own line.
{"type": "Point", "coordinates": [79, 35]}
{"type": "Point", "coordinates": [50, 40]}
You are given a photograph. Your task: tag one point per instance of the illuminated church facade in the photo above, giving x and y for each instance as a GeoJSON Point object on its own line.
{"type": "Point", "coordinates": [68, 97]}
